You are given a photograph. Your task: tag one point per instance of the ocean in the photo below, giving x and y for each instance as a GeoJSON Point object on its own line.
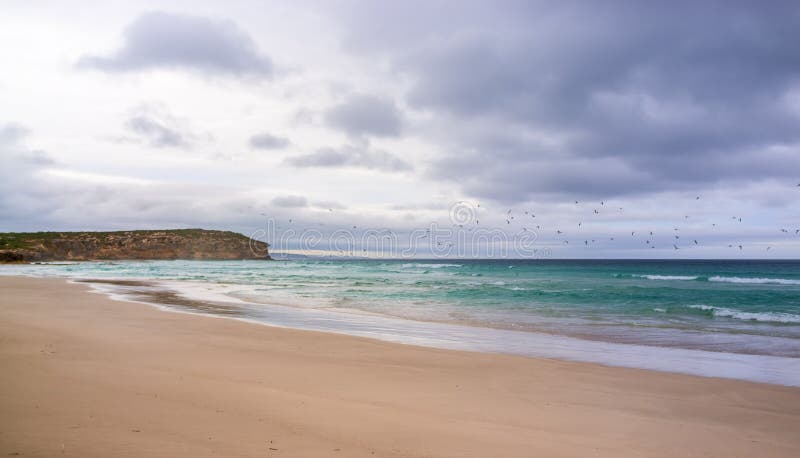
{"type": "Point", "coordinates": [738, 319]}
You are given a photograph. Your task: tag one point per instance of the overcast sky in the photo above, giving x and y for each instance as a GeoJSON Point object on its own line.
{"type": "Point", "coordinates": [384, 115]}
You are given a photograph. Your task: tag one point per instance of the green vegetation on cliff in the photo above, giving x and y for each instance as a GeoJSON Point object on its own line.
{"type": "Point", "coordinates": [120, 245]}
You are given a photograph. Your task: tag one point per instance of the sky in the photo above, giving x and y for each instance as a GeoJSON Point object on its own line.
{"type": "Point", "coordinates": [456, 129]}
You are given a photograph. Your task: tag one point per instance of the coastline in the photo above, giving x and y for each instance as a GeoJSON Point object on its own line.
{"type": "Point", "coordinates": [195, 298]}
{"type": "Point", "coordinates": [85, 375]}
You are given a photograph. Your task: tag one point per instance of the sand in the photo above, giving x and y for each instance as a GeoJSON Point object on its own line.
{"type": "Point", "coordinates": [85, 375]}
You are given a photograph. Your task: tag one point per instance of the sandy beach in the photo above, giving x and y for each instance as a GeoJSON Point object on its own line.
{"type": "Point", "coordinates": [85, 375]}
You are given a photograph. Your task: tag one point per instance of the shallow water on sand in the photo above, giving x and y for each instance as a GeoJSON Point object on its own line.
{"type": "Point", "coordinates": [743, 315]}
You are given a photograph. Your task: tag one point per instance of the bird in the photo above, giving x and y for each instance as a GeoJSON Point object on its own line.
{"type": "Point", "coordinates": [697, 198]}
{"type": "Point", "coordinates": [740, 248]}
{"type": "Point", "coordinates": [675, 246]}
{"type": "Point", "coordinates": [695, 242]}
{"type": "Point", "coordinates": [558, 232]}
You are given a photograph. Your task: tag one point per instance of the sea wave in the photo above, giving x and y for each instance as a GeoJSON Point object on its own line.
{"type": "Point", "coordinates": [429, 265]}
{"type": "Point", "coordinates": [721, 279]}
{"type": "Point", "coordinates": [757, 281]}
{"type": "Point", "coordinates": [767, 317]}
{"type": "Point", "coordinates": [668, 277]}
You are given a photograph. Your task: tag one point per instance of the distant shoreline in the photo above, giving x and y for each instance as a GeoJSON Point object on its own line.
{"type": "Point", "coordinates": [167, 244]}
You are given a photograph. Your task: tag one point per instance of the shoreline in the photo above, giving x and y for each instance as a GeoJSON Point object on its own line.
{"type": "Point", "coordinates": [184, 296]}
{"type": "Point", "coordinates": [85, 375]}
{"type": "Point", "coordinates": [458, 336]}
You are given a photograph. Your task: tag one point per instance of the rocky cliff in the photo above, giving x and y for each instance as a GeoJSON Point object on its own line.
{"type": "Point", "coordinates": [141, 245]}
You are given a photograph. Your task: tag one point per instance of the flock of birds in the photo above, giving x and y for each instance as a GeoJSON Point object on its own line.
{"type": "Point", "coordinates": [648, 238]}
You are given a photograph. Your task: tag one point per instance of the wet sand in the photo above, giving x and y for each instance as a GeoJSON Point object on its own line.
{"type": "Point", "coordinates": [84, 375]}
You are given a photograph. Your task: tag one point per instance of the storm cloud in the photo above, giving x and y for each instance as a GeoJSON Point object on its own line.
{"type": "Point", "coordinates": [160, 40]}
{"type": "Point", "coordinates": [155, 126]}
{"type": "Point", "coordinates": [366, 115]}
{"type": "Point", "coordinates": [290, 201]}
{"type": "Point", "coordinates": [268, 141]}
{"type": "Point", "coordinates": [591, 99]}
{"type": "Point", "coordinates": [357, 156]}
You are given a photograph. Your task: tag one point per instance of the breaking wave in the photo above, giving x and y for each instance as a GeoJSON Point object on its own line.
{"type": "Point", "coordinates": [767, 317]}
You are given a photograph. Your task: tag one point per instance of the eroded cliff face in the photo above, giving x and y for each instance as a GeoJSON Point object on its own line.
{"type": "Point", "coordinates": [134, 245]}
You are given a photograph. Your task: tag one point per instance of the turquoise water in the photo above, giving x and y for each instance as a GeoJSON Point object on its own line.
{"type": "Point", "coordinates": [743, 307]}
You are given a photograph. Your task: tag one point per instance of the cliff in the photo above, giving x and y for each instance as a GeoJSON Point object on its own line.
{"type": "Point", "coordinates": [131, 245]}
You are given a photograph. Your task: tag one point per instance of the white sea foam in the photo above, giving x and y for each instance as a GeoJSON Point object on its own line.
{"type": "Point", "coordinates": [429, 265]}
{"type": "Point", "coordinates": [668, 277]}
{"type": "Point", "coordinates": [755, 281]}
{"type": "Point", "coordinates": [767, 317]}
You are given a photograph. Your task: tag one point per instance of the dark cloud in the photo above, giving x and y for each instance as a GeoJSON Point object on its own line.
{"type": "Point", "coordinates": [366, 115]}
{"type": "Point", "coordinates": [625, 97]}
{"type": "Point", "coordinates": [156, 133]}
{"type": "Point", "coordinates": [166, 40]}
{"type": "Point", "coordinates": [351, 156]}
{"type": "Point", "coordinates": [157, 127]}
{"type": "Point", "coordinates": [268, 141]}
{"type": "Point", "coordinates": [290, 201]}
